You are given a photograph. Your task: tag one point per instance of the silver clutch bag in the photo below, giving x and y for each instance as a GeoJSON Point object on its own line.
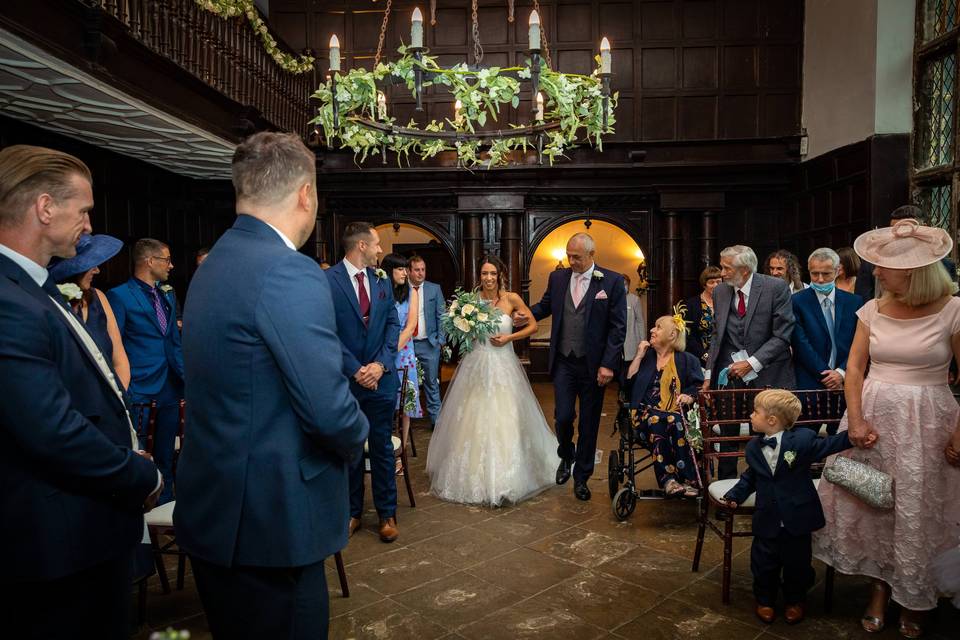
{"type": "Point", "coordinates": [871, 485]}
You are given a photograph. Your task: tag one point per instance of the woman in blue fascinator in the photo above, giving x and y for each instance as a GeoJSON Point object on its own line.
{"type": "Point", "coordinates": [74, 278]}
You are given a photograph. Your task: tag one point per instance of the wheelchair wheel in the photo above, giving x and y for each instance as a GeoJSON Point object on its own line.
{"type": "Point", "coordinates": [624, 503]}
{"type": "Point", "coordinates": [614, 473]}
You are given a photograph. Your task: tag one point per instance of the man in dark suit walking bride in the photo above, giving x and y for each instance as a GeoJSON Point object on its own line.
{"type": "Point", "coordinates": [589, 309]}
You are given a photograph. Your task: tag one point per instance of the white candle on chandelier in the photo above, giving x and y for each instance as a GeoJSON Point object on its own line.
{"type": "Point", "coordinates": [534, 30]}
{"type": "Point", "coordinates": [381, 106]}
{"type": "Point", "coordinates": [334, 53]}
{"type": "Point", "coordinates": [539, 115]}
{"type": "Point", "coordinates": [605, 56]}
{"type": "Point", "coordinates": [416, 28]}
{"type": "Point", "coordinates": [456, 112]}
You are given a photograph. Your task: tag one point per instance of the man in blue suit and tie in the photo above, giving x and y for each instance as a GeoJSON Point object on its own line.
{"type": "Point", "coordinates": [428, 338]}
{"type": "Point", "coordinates": [369, 331]}
{"type": "Point", "coordinates": [146, 312]}
{"type": "Point", "coordinates": [262, 482]}
{"type": "Point", "coordinates": [73, 484]}
{"type": "Point", "coordinates": [826, 319]}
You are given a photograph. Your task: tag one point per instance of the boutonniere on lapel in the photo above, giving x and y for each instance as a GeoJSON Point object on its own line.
{"type": "Point", "coordinates": [789, 457]}
{"type": "Point", "coordinates": [166, 288]}
{"type": "Point", "coordinates": [70, 291]}
{"type": "Point", "coordinates": [597, 275]}
{"type": "Point", "coordinates": [381, 274]}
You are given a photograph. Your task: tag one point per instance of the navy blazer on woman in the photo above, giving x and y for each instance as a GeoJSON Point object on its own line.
{"type": "Point", "coordinates": [375, 341]}
{"type": "Point", "coordinates": [606, 324]}
{"type": "Point", "coordinates": [787, 496]}
{"type": "Point", "coordinates": [71, 487]}
{"type": "Point", "coordinates": [152, 353]}
{"type": "Point", "coordinates": [811, 338]}
{"type": "Point", "coordinates": [688, 370]}
{"type": "Point", "coordinates": [271, 422]}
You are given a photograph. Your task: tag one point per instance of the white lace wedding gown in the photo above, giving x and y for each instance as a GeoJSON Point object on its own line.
{"type": "Point", "coordinates": [491, 443]}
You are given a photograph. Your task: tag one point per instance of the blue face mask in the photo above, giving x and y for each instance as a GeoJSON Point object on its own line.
{"type": "Point", "coordinates": [723, 378]}
{"type": "Point", "coordinates": [825, 289]}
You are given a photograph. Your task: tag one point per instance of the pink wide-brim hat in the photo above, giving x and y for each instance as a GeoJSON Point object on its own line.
{"type": "Point", "coordinates": [905, 245]}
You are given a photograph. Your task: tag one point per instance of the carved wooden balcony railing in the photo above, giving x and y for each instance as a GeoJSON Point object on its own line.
{"type": "Point", "coordinates": [226, 54]}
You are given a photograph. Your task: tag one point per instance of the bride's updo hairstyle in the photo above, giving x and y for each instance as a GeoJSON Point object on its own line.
{"type": "Point", "coordinates": [501, 271]}
{"type": "Point", "coordinates": [393, 261]}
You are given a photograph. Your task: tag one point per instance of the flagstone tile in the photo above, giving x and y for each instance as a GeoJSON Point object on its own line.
{"type": "Point", "coordinates": [457, 599]}
{"type": "Point", "coordinates": [532, 620]}
{"type": "Point", "coordinates": [582, 547]}
{"type": "Point", "coordinates": [525, 571]}
{"type": "Point", "coordinates": [600, 600]}
{"type": "Point", "coordinates": [398, 571]}
{"type": "Point", "coordinates": [673, 620]}
{"type": "Point", "coordinates": [384, 620]}
{"type": "Point", "coordinates": [464, 547]}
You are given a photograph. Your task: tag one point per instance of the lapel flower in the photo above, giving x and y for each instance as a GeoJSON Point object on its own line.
{"type": "Point", "coordinates": [789, 457]}
{"type": "Point", "coordinates": [381, 274]}
{"type": "Point", "coordinates": [166, 288]}
{"type": "Point", "coordinates": [597, 275]}
{"type": "Point", "coordinates": [70, 291]}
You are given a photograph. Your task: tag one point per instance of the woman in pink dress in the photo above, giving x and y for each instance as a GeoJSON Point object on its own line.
{"type": "Point", "coordinates": [904, 421]}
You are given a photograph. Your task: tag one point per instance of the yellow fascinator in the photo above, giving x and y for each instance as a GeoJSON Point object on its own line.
{"type": "Point", "coordinates": [679, 311]}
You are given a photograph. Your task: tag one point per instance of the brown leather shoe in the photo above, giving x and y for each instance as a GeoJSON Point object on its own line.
{"type": "Point", "coordinates": [765, 613]}
{"type": "Point", "coordinates": [388, 529]}
{"type": "Point", "coordinates": [794, 613]}
{"type": "Point", "coordinates": [354, 526]}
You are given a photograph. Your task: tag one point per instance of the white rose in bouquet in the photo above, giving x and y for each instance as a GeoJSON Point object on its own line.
{"type": "Point", "coordinates": [462, 323]}
{"type": "Point", "coordinates": [467, 310]}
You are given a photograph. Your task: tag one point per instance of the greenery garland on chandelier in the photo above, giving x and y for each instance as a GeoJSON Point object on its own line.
{"type": "Point", "coordinates": [234, 8]}
{"type": "Point", "coordinates": [572, 101]}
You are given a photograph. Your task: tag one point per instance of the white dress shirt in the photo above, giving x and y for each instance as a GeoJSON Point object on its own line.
{"type": "Point", "coordinates": [584, 283]}
{"type": "Point", "coordinates": [747, 286]}
{"type": "Point", "coordinates": [35, 271]}
{"type": "Point", "coordinates": [285, 239]}
{"type": "Point", "coordinates": [832, 296]}
{"type": "Point", "coordinates": [772, 455]}
{"type": "Point", "coordinates": [421, 318]}
{"type": "Point", "coordinates": [352, 271]}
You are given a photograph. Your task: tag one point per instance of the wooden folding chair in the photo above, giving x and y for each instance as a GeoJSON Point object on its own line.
{"type": "Point", "coordinates": [731, 407]}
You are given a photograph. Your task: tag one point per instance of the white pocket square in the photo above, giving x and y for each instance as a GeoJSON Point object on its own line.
{"type": "Point", "coordinates": [601, 296]}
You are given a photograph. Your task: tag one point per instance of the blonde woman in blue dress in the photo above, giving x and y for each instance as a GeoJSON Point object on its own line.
{"type": "Point", "coordinates": [492, 444]}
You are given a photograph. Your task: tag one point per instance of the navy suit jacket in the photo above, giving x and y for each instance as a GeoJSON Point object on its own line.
{"type": "Point", "coordinates": [375, 342]}
{"type": "Point", "coordinates": [811, 339]}
{"type": "Point", "coordinates": [433, 310]}
{"type": "Point", "coordinates": [152, 353]}
{"type": "Point", "coordinates": [606, 324]}
{"type": "Point", "coordinates": [71, 487]}
{"type": "Point", "coordinates": [688, 370]}
{"type": "Point", "coordinates": [271, 422]}
{"type": "Point", "coordinates": [787, 496]}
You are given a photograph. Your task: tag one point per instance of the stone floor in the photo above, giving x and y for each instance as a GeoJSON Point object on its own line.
{"type": "Point", "coordinates": [552, 567]}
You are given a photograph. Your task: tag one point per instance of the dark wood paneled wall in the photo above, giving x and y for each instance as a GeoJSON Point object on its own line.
{"type": "Point", "coordinates": [685, 69]}
{"type": "Point", "coordinates": [843, 193]}
{"type": "Point", "coordinates": [133, 199]}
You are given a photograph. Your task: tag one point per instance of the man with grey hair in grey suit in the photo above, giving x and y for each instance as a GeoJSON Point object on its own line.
{"type": "Point", "coordinates": [752, 332]}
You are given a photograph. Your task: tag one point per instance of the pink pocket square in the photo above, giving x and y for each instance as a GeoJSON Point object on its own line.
{"type": "Point", "coordinates": [601, 296]}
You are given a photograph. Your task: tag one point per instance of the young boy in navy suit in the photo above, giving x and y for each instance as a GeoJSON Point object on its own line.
{"type": "Point", "coordinates": [787, 505]}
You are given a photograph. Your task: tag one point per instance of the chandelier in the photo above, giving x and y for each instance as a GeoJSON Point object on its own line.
{"type": "Point", "coordinates": [566, 108]}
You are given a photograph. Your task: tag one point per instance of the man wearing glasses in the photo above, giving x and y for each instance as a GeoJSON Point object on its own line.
{"type": "Point", "coordinates": [146, 311]}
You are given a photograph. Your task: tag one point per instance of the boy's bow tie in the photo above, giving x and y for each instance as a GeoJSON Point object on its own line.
{"type": "Point", "coordinates": [769, 442]}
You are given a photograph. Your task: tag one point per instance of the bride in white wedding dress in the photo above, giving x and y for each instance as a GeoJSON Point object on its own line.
{"type": "Point", "coordinates": [492, 443]}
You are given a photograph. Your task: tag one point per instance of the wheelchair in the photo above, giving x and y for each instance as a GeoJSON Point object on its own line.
{"type": "Point", "coordinates": [633, 456]}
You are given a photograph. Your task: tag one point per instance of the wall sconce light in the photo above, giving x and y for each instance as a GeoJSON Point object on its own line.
{"type": "Point", "coordinates": [558, 255]}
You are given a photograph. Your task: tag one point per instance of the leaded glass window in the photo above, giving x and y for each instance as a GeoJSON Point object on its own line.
{"type": "Point", "coordinates": [935, 202]}
{"type": "Point", "coordinates": [934, 139]}
{"type": "Point", "coordinates": [940, 16]}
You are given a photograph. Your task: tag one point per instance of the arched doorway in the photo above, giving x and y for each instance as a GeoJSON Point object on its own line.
{"type": "Point", "coordinates": [616, 250]}
{"type": "Point", "coordinates": [408, 239]}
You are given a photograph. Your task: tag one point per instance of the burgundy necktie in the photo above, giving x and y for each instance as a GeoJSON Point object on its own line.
{"type": "Point", "coordinates": [364, 299]}
{"type": "Point", "coordinates": [741, 305]}
{"type": "Point", "coordinates": [158, 307]}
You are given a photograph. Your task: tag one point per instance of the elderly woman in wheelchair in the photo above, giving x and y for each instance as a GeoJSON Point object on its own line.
{"type": "Point", "coordinates": [664, 378]}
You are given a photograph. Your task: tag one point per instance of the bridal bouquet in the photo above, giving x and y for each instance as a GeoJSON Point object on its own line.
{"type": "Point", "coordinates": [469, 319]}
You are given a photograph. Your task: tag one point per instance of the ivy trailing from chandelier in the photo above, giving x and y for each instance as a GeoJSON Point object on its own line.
{"type": "Point", "coordinates": [572, 112]}
{"type": "Point", "coordinates": [234, 8]}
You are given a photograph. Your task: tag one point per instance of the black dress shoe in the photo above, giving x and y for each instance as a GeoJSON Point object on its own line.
{"type": "Point", "coordinates": [581, 490]}
{"type": "Point", "coordinates": [563, 471]}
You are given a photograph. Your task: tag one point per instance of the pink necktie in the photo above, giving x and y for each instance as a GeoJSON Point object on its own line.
{"type": "Point", "coordinates": [578, 290]}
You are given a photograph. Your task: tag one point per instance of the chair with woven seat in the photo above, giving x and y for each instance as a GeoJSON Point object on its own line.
{"type": "Point", "coordinates": [732, 407]}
